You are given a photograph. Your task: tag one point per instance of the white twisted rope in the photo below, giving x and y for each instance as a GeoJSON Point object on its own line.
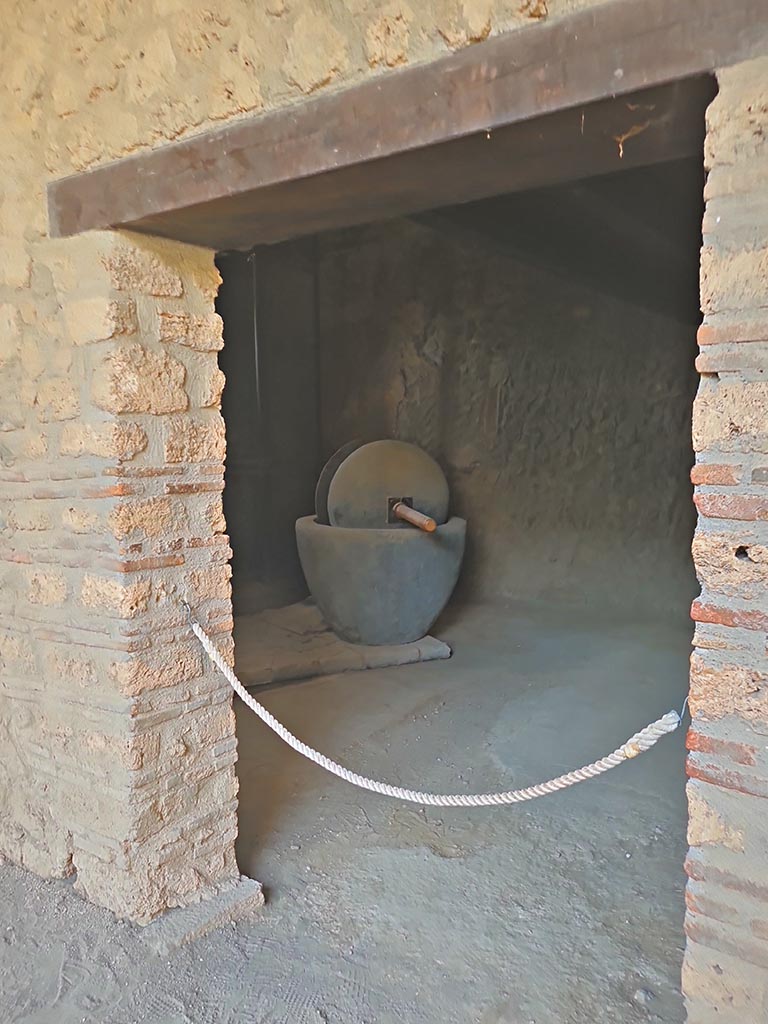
{"type": "Point", "coordinates": [637, 744]}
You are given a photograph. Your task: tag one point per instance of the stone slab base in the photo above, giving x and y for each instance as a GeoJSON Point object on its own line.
{"type": "Point", "coordinates": [227, 904]}
{"type": "Point", "coordinates": [295, 643]}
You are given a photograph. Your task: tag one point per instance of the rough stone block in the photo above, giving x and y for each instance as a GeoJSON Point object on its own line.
{"type": "Point", "coordinates": [99, 319]}
{"type": "Point", "coordinates": [57, 398]}
{"type": "Point", "coordinates": [132, 268]}
{"type": "Point", "coordinates": [209, 584]}
{"type": "Point", "coordinates": [722, 988]}
{"type": "Point", "coordinates": [706, 824]}
{"type": "Point", "coordinates": [134, 379]}
{"type": "Point", "coordinates": [204, 333]}
{"type": "Point", "coordinates": [15, 263]}
{"type": "Point", "coordinates": [16, 653]}
{"type": "Point", "coordinates": [226, 904]}
{"type": "Point", "coordinates": [736, 118]}
{"type": "Point", "coordinates": [317, 52]}
{"type": "Point", "coordinates": [731, 564]}
{"type": "Point", "coordinates": [29, 516]}
{"type": "Point", "coordinates": [189, 440]}
{"type": "Point", "coordinates": [721, 689]}
{"type": "Point", "coordinates": [118, 440]}
{"type": "Point", "coordinates": [148, 517]}
{"type": "Point", "coordinates": [166, 666]}
{"type": "Point", "coordinates": [387, 36]}
{"type": "Point", "coordinates": [10, 332]}
{"type": "Point", "coordinates": [733, 280]}
{"type": "Point", "coordinates": [208, 385]}
{"type": "Point", "coordinates": [47, 588]}
{"type": "Point", "coordinates": [127, 600]}
{"type": "Point", "coordinates": [216, 524]}
{"type": "Point", "coordinates": [732, 417]}
{"type": "Point", "coordinates": [35, 445]}
{"type": "Point", "coordinates": [62, 663]}
{"type": "Point", "coordinates": [198, 789]}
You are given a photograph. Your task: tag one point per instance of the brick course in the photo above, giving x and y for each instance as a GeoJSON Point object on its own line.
{"type": "Point", "coordinates": [725, 973]}
{"type": "Point", "coordinates": [105, 531]}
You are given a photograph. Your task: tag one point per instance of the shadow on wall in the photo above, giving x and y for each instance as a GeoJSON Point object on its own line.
{"type": "Point", "coordinates": [562, 415]}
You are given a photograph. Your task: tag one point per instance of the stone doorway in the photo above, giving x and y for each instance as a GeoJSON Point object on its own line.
{"type": "Point", "coordinates": [133, 318]}
{"type": "Point", "coordinates": [540, 345]}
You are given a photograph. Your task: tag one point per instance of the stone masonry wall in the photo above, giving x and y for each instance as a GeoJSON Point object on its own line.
{"type": "Point", "coordinates": [118, 742]}
{"type": "Point", "coordinates": [725, 975]}
{"type": "Point", "coordinates": [117, 746]}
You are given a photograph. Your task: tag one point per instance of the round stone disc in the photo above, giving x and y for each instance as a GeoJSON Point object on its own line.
{"type": "Point", "coordinates": [324, 480]}
{"type": "Point", "coordinates": [362, 487]}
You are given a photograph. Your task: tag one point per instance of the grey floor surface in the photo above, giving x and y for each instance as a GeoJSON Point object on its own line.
{"type": "Point", "coordinates": [567, 910]}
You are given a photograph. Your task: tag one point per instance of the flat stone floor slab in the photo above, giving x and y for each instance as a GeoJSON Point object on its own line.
{"type": "Point", "coordinates": [282, 644]}
{"type": "Point", "coordinates": [229, 903]}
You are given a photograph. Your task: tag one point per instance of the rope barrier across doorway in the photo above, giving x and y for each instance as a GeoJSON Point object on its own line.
{"type": "Point", "coordinates": [637, 744]}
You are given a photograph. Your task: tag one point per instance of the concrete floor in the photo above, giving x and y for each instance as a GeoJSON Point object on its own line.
{"type": "Point", "coordinates": [567, 910]}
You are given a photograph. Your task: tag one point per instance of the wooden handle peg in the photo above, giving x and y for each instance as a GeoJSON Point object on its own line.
{"type": "Point", "coordinates": [414, 517]}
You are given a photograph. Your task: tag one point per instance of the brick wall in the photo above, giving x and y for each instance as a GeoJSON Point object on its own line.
{"type": "Point", "coordinates": [121, 740]}
{"type": "Point", "coordinates": [725, 975]}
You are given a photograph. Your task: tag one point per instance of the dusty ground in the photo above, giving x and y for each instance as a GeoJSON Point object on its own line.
{"type": "Point", "coordinates": [564, 911]}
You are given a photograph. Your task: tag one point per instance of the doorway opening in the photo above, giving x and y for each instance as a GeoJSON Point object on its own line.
{"type": "Point", "coordinates": [540, 346]}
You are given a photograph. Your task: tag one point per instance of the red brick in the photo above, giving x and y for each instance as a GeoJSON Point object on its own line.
{"type": "Point", "coordinates": [744, 507]}
{"type": "Point", "coordinates": [730, 358]}
{"type": "Point", "coordinates": [21, 557]}
{"type": "Point", "coordinates": [61, 475]}
{"type": "Point", "coordinates": [54, 492]}
{"type": "Point", "coordinates": [692, 902]}
{"type": "Point", "coordinates": [746, 618]}
{"type": "Point", "coordinates": [743, 331]}
{"type": "Point", "coordinates": [159, 562]}
{"type": "Point", "coordinates": [721, 937]}
{"type": "Point", "coordinates": [194, 488]}
{"type": "Point", "coordinates": [726, 778]}
{"type": "Point", "coordinates": [741, 753]}
{"type": "Point", "coordinates": [698, 866]}
{"type": "Point", "coordinates": [115, 491]}
{"type": "Point", "coordinates": [707, 335]}
{"type": "Point", "coordinates": [698, 901]}
{"type": "Point", "coordinates": [214, 541]}
{"type": "Point", "coordinates": [715, 474]}
{"type": "Point", "coordinates": [142, 471]}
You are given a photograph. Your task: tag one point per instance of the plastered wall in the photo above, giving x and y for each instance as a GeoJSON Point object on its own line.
{"type": "Point", "coordinates": [560, 414]}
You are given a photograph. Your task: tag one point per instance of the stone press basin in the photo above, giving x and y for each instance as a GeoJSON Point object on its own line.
{"type": "Point", "coordinates": [380, 586]}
